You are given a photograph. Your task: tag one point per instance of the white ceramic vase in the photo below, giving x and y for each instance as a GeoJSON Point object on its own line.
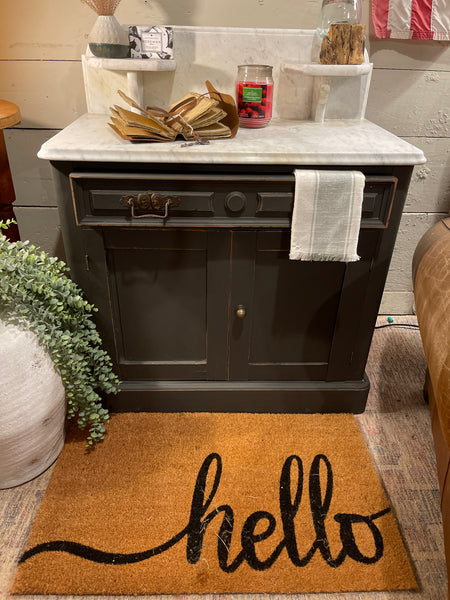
{"type": "Point", "coordinates": [108, 39]}
{"type": "Point", "coordinates": [32, 407]}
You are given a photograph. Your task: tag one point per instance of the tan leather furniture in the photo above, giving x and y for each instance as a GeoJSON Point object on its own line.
{"type": "Point", "coordinates": [431, 275]}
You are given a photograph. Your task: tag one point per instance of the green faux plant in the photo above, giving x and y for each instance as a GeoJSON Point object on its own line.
{"type": "Point", "coordinates": [36, 294]}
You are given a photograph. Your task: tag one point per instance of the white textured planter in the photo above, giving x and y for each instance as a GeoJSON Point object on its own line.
{"type": "Point", "coordinates": [32, 407]}
{"type": "Point", "coordinates": [108, 39]}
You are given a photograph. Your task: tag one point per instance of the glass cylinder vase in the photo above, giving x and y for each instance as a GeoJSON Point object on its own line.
{"type": "Point", "coordinates": [334, 12]}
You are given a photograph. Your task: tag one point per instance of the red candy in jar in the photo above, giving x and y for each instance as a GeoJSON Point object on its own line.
{"type": "Point", "coordinates": [254, 95]}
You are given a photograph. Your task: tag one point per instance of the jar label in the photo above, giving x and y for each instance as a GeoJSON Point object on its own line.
{"type": "Point", "coordinates": [251, 94]}
{"type": "Point", "coordinates": [254, 100]}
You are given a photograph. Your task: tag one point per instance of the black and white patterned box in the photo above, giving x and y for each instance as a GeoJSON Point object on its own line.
{"type": "Point", "coordinates": [151, 41]}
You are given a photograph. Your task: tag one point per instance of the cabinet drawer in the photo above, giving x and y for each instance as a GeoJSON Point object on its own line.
{"type": "Point", "coordinates": [379, 193]}
{"type": "Point", "coordinates": [222, 200]}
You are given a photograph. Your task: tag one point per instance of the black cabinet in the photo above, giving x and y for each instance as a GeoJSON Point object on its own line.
{"type": "Point", "coordinates": [202, 309]}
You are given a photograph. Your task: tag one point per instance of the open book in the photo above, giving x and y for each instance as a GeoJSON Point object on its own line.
{"type": "Point", "coordinates": [208, 116]}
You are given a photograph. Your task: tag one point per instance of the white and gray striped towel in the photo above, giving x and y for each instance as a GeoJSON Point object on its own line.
{"type": "Point", "coordinates": [327, 215]}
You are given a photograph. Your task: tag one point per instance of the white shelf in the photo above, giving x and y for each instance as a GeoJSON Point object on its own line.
{"type": "Point", "coordinates": [325, 80]}
{"type": "Point", "coordinates": [130, 64]}
{"type": "Point", "coordinates": [317, 70]}
{"type": "Point", "coordinates": [133, 67]}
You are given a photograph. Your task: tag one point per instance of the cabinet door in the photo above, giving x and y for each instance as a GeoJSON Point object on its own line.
{"type": "Point", "coordinates": [164, 285]}
{"type": "Point", "coordinates": [290, 310]}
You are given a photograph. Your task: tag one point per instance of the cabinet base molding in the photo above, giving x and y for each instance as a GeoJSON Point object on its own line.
{"type": "Point", "coordinates": [253, 397]}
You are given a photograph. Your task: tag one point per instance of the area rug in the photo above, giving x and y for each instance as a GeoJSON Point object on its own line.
{"type": "Point", "coordinates": [215, 503]}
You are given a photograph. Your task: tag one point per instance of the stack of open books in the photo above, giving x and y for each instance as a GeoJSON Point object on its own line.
{"type": "Point", "coordinates": [195, 117]}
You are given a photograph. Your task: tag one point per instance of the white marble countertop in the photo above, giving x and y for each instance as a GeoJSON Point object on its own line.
{"type": "Point", "coordinates": [89, 138]}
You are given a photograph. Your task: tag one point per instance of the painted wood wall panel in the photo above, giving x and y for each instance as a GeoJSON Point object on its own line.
{"type": "Point", "coordinates": [406, 54]}
{"type": "Point", "coordinates": [413, 227]}
{"type": "Point", "coordinates": [430, 185]}
{"type": "Point", "coordinates": [398, 297]}
{"type": "Point", "coordinates": [397, 303]}
{"type": "Point", "coordinates": [33, 183]}
{"type": "Point", "coordinates": [410, 102]}
{"type": "Point", "coordinates": [41, 227]}
{"type": "Point", "coordinates": [50, 94]}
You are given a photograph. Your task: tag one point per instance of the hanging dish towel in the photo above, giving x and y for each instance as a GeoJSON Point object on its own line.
{"type": "Point", "coordinates": [326, 215]}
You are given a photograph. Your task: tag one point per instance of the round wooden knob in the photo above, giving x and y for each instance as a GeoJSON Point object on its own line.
{"type": "Point", "coordinates": [235, 202]}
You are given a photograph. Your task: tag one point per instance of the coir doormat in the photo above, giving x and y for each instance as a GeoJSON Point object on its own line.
{"type": "Point", "coordinates": [215, 503]}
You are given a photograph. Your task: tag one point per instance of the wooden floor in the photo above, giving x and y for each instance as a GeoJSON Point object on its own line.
{"type": "Point", "coordinates": [396, 427]}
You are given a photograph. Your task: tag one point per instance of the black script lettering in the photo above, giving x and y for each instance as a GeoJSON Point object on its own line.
{"type": "Point", "coordinates": [349, 545]}
{"type": "Point", "coordinates": [289, 506]}
{"type": "Point", "coordinates": [320, 507]}
{"type": "Point", "coordinates": [249, 538]}
{"type": "Point", "coordinates": [197, 525]}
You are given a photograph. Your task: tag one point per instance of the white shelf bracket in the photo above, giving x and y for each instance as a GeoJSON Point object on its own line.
{"type": "Point", "coordinates": [321, 91]}
{"type": "Point", "coordinates": [135, 80]}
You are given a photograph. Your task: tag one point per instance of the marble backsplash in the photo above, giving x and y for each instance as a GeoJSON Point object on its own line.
{"type": "Point", "coordinates": [214, 53]}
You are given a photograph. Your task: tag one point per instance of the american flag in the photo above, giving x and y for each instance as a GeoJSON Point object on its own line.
{"type": "Point", "coordinates": [412, 19]}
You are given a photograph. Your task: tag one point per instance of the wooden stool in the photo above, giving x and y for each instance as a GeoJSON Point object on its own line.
{"type": "Point", "coordinates": [9, 116]}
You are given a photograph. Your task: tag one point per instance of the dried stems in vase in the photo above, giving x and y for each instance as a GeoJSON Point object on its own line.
{"type": "Point", "coordinates": [107, 38]}
{"type": "Point", "coordinates": [102, 7]}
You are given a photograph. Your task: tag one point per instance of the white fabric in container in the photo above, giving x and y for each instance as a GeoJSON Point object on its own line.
{"type": "Point", "coordinates": [327, 215]}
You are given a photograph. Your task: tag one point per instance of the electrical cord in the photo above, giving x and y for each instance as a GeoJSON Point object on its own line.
{"type": "Point", "coordinates": [392, 324]}
{"type": "Point", "coordinates": [405, 325]}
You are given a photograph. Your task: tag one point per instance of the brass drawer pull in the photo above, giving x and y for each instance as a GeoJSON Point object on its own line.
{"type": "Point", "coordinates": [241, 311]}
{"type": "Point", "coordinates": [149, 201]}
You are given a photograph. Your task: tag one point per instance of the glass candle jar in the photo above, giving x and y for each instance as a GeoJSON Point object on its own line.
{"type": "Point", "coordinates": [254, 95]}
